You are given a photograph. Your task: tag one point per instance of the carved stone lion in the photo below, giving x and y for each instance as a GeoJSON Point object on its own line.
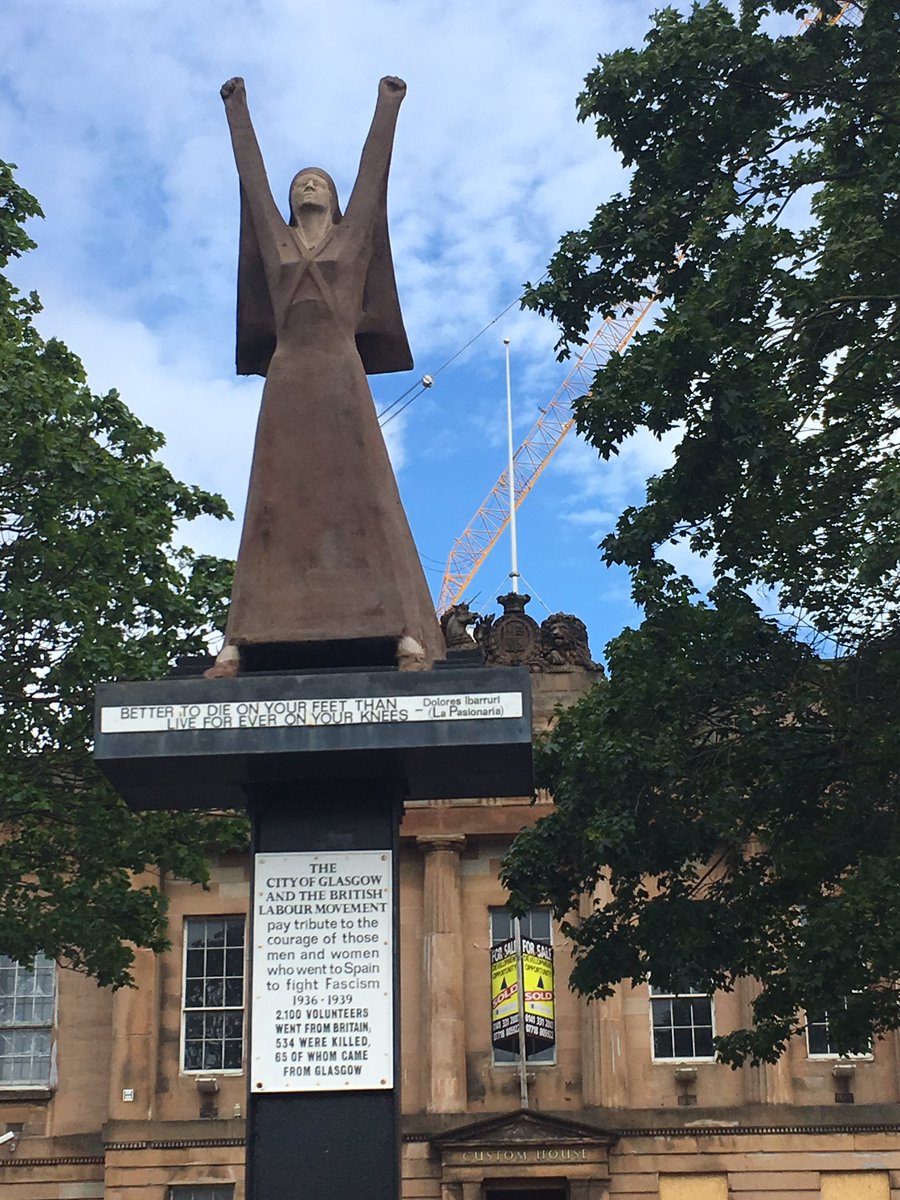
{"type": "Point", "coordinates": [564, 642]}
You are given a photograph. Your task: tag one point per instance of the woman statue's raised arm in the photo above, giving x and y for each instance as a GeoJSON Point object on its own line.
{"type": "Point", "coordinates": [255, 191]}
{"type": "Point", "coordinates": [371, 180]}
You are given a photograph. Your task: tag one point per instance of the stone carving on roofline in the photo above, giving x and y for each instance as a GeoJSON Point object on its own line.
{"type": "Point", "coordinates": [457, 623]}
{"type": "Point", "coordinates": [564, 643]}
{"type": "Point", "coordinates": [512, 640]}
{"type": "Point", "coordinates": [559, 644]}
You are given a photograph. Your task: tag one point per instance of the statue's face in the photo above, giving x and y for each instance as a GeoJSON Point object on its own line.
{"type": "Point", "coordinates": [310, 190]}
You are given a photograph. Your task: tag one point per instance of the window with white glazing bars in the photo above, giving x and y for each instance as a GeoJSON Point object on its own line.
{"type": "Point", "coordinates": [27, 1010]}
{"type": "Point", "coordinates": [819, 1041]}
{"type": "Point", "coordinates": [213, 1013]}
{"type": "Point", "coordinates": [682, 1024]}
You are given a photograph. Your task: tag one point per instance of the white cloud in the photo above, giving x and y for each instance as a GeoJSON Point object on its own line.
{"type": "Point", "coordinates": [621, 478]}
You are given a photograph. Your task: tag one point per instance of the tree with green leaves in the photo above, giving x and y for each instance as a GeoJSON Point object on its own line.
{"type": "Point", "coordinates": [731, 792]}
{"type": "Point", "coordinates": [94, 588]}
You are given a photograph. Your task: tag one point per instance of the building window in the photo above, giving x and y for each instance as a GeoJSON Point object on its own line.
{"type": "Point", "coordinates": [534, 924]}
{"type": "Point", "coordinates": [201, 1191]}
{"type": "Point", "coordinates": [819, 1043]}
{"type": "Point", "coordinates": [213, 1025]}
{"type": "Point", "coordinates": [682, 1024]}
{"type": "Point", "coordinates": [27, 1003]}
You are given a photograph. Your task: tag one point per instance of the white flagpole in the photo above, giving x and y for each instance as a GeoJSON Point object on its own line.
{"type": "Point", "coordinates": [514, 573]}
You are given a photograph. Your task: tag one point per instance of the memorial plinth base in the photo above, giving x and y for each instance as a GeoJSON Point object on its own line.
{"type": "Point", "coordinates": [323, 762]}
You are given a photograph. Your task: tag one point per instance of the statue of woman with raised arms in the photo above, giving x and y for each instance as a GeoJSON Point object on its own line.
{"type": "Point", "coordinates": [327, 571]}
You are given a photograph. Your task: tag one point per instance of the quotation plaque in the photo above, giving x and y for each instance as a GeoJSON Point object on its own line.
{"type": "Point", "coordinates": [322, 1015]}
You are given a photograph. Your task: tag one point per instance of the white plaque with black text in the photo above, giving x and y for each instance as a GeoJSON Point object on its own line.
{"type": "Point", "coordinates": [309, 712]}
{"type": "Point", "coordinates": [322, 1015]}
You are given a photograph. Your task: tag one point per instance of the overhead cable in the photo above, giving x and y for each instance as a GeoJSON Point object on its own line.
{"type": "Point", "coordinates": [427, 380]}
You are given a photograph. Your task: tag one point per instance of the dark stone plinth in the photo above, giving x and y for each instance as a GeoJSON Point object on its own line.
{"type": "Point", "coordinates": [165, 744]}
{"type": "Point", "coordinates": [323, 1144]}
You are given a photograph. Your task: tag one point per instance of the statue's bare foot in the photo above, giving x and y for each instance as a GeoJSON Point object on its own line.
{"type": "Point", "coordinates": [411, 654]}
{"type": "Point", "coordinates": [227, 664]}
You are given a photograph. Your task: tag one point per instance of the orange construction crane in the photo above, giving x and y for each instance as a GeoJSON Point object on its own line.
{"type": "Point", "coordinates": [475, 544]}
{"type": "Point", "coordinates": [480, 536]}
{"type": "Point", "coordinates": [851, 10]}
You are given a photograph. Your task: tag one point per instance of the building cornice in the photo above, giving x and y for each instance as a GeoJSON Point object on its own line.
{"type": "Point", "coordinates": [654, 1124]}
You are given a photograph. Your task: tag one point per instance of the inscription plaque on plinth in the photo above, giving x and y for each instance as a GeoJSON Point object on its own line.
{"type": "Point", "coordinates": [322, 1014]}
{"type": "Point", "coordinates": [315, 712]}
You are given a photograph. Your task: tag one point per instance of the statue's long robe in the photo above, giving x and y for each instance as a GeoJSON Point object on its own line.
{"type": "Point", "coordinates": [326, 552]}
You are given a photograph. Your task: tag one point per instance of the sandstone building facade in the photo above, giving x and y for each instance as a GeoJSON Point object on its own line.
{"type": "Point", "coordinates": [140, 1095]}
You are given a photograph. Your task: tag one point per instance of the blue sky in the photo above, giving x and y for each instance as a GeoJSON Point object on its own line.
{"type": "Point", "coordinates": [113, 115]}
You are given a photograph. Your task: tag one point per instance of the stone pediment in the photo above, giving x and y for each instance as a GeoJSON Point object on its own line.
{"type": "Point", "coordinates": [521, 1129]}
{"type": "Point", "coordinates": [525, 1146]}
